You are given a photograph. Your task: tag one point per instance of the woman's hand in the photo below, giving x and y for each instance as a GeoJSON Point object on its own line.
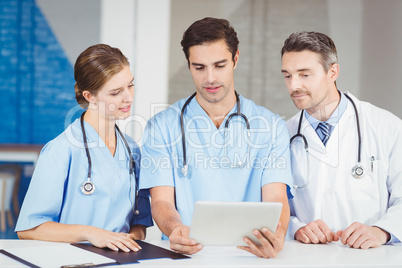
{"type": "Point", "coordinates": [115, 241]}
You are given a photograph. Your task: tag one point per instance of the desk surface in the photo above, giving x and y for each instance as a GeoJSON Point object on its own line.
{"type": "Point", "coordinates": [294, 254]}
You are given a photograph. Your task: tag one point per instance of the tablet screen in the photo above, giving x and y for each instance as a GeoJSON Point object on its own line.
{"type": "Point", "coordinates": [227, 223]}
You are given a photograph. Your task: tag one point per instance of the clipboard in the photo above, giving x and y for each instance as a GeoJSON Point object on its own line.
{"type": "Point", "coordinates": [147, 252]}
{"type": "Point", "coordinates": [56, 255]}
{"type": "Point", "coordinates": [85, 255]}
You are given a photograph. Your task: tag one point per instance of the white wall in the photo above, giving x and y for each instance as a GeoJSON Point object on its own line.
{"type": "Point", "coordinates": [117, 29]}
{"type": "Point", "coordinates": [151, 60]}
{"type": "Point", "coordinates": [117, 25]}
{"type": "Point", "coordinates": [140, 29]}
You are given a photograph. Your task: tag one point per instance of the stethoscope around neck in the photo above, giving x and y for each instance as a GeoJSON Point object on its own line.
{"type": "Point", "coordinates": [88, 187]}
{"type": "Point", "coordinates": [357, 170]}
{"type": "Point", "coordinates": [240, 164]}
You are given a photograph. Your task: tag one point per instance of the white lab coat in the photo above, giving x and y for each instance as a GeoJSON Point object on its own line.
{"type": "Point", "coordinates": [332, 193]}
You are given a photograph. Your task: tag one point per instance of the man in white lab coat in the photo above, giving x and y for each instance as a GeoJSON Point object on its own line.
{"type": "Point", "coordinates": [346, 154]}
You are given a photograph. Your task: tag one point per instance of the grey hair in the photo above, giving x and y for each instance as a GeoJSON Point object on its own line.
{"type": "Point", "coordinates": [315, 42]}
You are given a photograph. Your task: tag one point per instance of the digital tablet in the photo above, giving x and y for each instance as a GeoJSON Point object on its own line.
{"type": "Point", "coordinates": [227, 223]}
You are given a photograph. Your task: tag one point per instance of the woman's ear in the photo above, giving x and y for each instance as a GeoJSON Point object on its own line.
{"type": "Point", "coordinates": [88, 96]}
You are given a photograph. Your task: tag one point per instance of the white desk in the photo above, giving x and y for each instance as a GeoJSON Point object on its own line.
{"type": "Point", "coordinates": [293, 255]}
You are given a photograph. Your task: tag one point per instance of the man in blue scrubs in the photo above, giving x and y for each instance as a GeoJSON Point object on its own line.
{"type": "Point", "coordinates": [239, 166]}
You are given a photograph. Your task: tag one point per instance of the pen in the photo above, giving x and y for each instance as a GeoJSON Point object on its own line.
{"type": "Point", "coordinates": [372, 164]}
{"type": "Point", "coordinates": [78, 265]}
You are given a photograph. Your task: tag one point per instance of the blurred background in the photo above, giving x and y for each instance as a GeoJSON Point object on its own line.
{"type": "Point", "coordinates": [41, 39]}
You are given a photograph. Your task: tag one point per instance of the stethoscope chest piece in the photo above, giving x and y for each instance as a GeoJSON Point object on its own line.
{"type": "Point", "coordinates": [184, 170]}
{"type": "Point", "coordinates": [87, 188]}
{"type": "Point", "coordinates": [358, 171]}
{"type": "Point", "coordinates": [136, 211]}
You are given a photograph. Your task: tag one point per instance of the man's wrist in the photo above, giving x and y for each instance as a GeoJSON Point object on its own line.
{"type": "Point", "coordinates": [385, 233]}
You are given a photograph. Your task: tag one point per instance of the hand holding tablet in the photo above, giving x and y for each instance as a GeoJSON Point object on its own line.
{"type": "Point", "coordinates": [227, 223]}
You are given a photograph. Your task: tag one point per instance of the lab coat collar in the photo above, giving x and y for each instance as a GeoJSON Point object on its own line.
{"type": "Point", "coordinates": [355, 100]}
{"type": "Point", "coordinates": [329, 153]}
{"type": "Point", "coordinates": [334, 118]}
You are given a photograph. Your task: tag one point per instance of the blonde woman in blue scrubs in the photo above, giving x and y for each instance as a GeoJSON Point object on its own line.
{"type": "Point", "coordinates": [62, 203]}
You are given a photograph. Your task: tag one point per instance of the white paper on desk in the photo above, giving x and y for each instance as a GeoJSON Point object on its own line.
{"type": "Point", "coordinates": [58, 255]}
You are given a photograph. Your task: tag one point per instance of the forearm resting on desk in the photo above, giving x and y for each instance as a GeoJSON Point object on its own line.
{"type": "Point", "coordinates": [59, 232]}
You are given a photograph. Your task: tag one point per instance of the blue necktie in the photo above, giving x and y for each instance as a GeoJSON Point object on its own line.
{"type": "Point", "coordinates": [324, 129]}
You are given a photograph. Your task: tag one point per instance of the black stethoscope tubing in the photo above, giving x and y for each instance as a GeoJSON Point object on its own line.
{"type": "Point", "coordinates": [358, 128]}
{"type": "Point", "coordinates": [183, 134]}
{"type": "Point", "coordinates": [357, 171]}
{"type": "Point", "coordinates": [131, 164]}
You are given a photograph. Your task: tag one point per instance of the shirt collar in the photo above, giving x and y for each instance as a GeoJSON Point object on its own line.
{"type": "Point", "coordinates": [195, 109]}
{"type": "Point", "coordinates": [336, 115]}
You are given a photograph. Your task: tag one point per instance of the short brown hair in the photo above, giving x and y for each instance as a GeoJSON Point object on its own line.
{"type": "Point", "coordinates": [94, 67]}
{"type": "Point", "coordinates": [209, 30]}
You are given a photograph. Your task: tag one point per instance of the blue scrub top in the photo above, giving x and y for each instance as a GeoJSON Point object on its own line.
{"type": "Point", "coordinates": [210, 176]}
{"type": "Point", "coordinates": [54, 192]}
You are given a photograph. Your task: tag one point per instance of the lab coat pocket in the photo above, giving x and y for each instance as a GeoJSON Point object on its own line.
{"type": "Point", "coordinates": [299, 159]}
{"type": "Point", "coordinates": [366, 187]}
